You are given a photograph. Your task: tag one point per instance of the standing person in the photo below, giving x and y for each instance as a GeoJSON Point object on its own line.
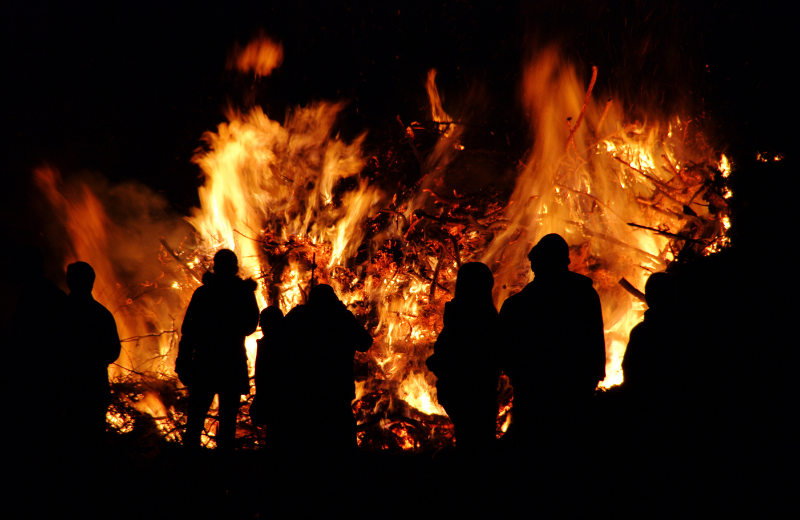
{"type": "Point", "coordinates": [465, 362]}
{"type": "Point", "coordinates": [321, 339]}
{"type": "Point", "coordinates": [35, 335]}
{"type": "Point", "coordinates": [272, 377]}
{"type": "Point", "coordinates": [212, 359]}
{"type": "Point", "coordinates": [92, 344]}
{"type": "Point", "coordinates": [554, 348]}
{"type": "Point", "coordinates": [652, 365]}
{"type": "Point", "coordinates": [324, 337]}
{"type": "Point", "coordinates": [31, 384]}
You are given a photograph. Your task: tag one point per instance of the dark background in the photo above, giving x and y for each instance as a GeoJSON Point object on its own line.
{"type": "Point", "coordinates": [128, 89]}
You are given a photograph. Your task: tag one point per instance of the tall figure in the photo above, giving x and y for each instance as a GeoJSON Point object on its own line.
{"type": "Point", "coordinates": [465, 360]}
{"type": "Point", "coordinates": [323, 337]}
{"type": "Point", "coordinates": [554, 348]}
{"type": "Point", "coordinates": [212, 359]}
{"type": "Point", "coordinates": [92, 344]}
{"type": "Point", "coordinates": [32, 384]}
{"type": "Point", "coordinates": [34, 339]}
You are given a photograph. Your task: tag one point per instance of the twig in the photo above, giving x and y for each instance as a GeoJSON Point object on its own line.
{"type": "Point", "coordinates": [455, 251]}
{"type": "Point", "coordinates": [449, 200]}
{"type": "Point", "coordinates": [245, 236]}
{"type": "Point", "coordinates": [660, 186]}
{"type": "Point", "coordinates": [602, 118]}
{"type": "Point", "coordinates": [436, 273]}
{"type": "Point", "coordinates": [178, 259]}
{"type": "Point", "coordinates": [612, 240]}
{"type": "Point", "coordinates": [410, 142]}
{"type": "Point", "coordinates": [598, 201]}
{"type": "Point", "coordinates": [397, 214]}
{"type": "Point", "coordinates": [631, 289]}
{"type": "Point", "coordinates": [155, 334]}
{"type": "Point", "coordinates": [668, 234]}
{"type": "Point", "coordinates": [583, 110]}
{"type": "Point", "coordinates": [673, 170]}
{"type": "Point", "coordinates": [451, 220]}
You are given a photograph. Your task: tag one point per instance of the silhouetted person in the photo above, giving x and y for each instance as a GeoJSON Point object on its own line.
{"type": "Point", "coordinates": [554, 351]}
{"type": "Point", "coordinates": [652, 363]}
{"type": "Point", "coordinates": [323, 337]}
{"type": "Point", "coordinates": [273, 378]}
{"type": "Point", "coordinates": [32, 381]}
{"type": "Point", "coordinates": [32, 388]}
{"type": "Point", "coordinates": [212, 356]}
{"type": "Point", "coordinates": [92, 343]}
{"type": "Point", "coordinates": [465, 362]}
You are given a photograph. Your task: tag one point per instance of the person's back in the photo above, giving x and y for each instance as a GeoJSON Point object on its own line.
{"type": "Point", "coordinates": [322, 337]}
{"type": "Point", "coordinates": [36, 331]}
{"type": "Point", "coordinates": [92, 343]}
{"type": "Point", "coordinates": [658, 360]}
{"type": "Point", "coordinates": [212, 358]}
{"type": "Point", "coordinates": [272, 377]}
{"type": "Point", "coordinates": [554, 348]}
{"type": "Point", "coordinates": [464, 360]}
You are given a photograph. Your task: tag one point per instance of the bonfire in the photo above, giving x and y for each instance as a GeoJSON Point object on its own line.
{"type": "Point", "coordinates": [300, 205]}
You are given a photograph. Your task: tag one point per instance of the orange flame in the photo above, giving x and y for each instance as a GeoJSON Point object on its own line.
{"type": "Point", "coordinates": [261, 56]}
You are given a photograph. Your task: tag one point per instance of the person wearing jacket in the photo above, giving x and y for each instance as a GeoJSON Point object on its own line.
{"type": "Point", "coordinates": [212, 359]}
{"type": "Point", "coordinates": [464, 361]}
{"type": "Point", "coordinates": [554, 347]}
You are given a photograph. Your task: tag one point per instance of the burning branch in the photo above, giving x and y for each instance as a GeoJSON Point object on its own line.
{"type": "Point", "coordinates": [179, 260]}
{"type": "Point", "coordinates": [667, 234]}
{"type": "Point", "coordinates": [570, 139]}
{"type": "Point", "coordinates": [631, 289]}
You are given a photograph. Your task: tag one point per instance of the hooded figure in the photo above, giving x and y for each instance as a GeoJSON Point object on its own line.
{"type": "Point", "coordinates": [464, 360]}
{"type": "Point", "coordinates": [212, 358]}
{"type": "Point", "coordinates": [554, 347]}
{"type": "Point", "coordinates": [322, 337]}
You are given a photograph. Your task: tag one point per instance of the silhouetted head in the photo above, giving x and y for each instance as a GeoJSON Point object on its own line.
{"type": "Point", "coordinates": [322, 295]}
{"type": "Point", "coordinates": [660, 291]}
{"type": "Point", "coordinates": [270, 317]}
{"type": "Point", "coordinates": [474, 282]}
{"type": "Point", "coordinates": [80, 278]}
{"type": "Point", "coordinates": [550, 255]}
{"type": "Point", "coordinates": [226, 263]}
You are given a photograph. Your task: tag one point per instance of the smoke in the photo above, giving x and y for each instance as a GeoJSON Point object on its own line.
{"type": "Point", "coordinates": [118, 228]}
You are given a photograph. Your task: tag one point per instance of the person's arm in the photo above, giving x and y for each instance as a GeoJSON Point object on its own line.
{"type": "Point", "coordinates": [112, 344]}
{"type": "Point", "coordinates": [597, 339]}
{"type": "Point", "coordinates": [190, 329]}
{"type": "Point", "coordinates": [250, 314]}
{"type": "Point", "coordinates": [362, 340]}
{"type": "Point", "coordinates": [506, 337]}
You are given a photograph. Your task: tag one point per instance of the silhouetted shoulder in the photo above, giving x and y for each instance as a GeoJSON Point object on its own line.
{"type": "Point", "coordinates": [579, 282]}
{"type": "Point", "coordinates": [515, 301]}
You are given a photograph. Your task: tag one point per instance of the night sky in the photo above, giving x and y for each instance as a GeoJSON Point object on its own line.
{"type": "Point", "coordinates": [128, 91]}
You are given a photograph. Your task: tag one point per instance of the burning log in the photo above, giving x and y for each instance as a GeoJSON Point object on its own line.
{"type": "Point", "coordinates": [636, 293]}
